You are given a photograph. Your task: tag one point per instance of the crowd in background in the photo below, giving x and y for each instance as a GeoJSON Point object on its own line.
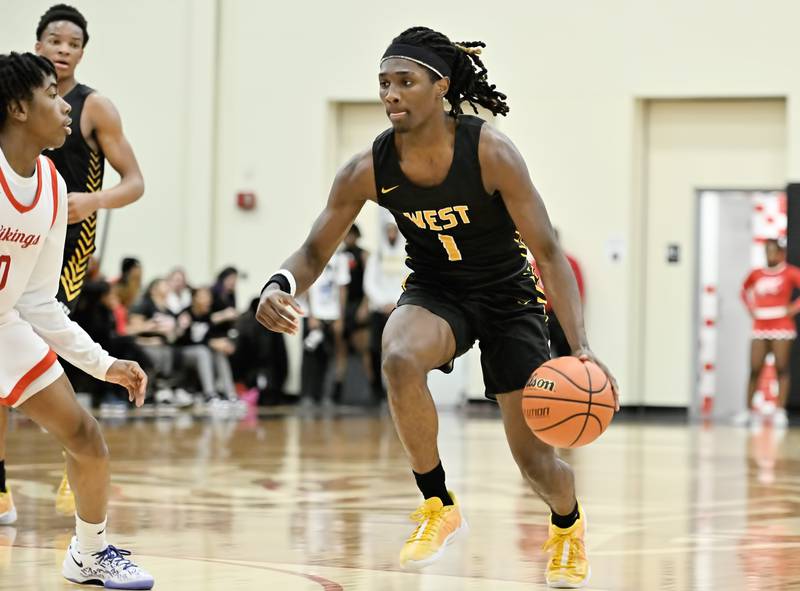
{"type": "Point", "coordinates": [192, 341]}
{"type": "Point", "coordinates": [347, 308]}
{"type": "Point", "coordinates": [200, 350]}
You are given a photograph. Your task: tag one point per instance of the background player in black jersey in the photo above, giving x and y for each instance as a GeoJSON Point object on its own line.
{"type": "Point", "coordinates": [97, 135]}
{"type": "Point", "coordinates": [61, 37]}
{"type": "Point", "coordinates": [459, 191]}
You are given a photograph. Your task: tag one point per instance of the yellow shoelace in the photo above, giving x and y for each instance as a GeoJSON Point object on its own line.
{"type": "Point", "coordinates": [556, 545]}
{"type": "Point", "coordinates": [427, 524]}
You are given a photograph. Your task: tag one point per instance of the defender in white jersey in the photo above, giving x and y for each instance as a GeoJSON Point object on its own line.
{"type": "Point", "coordinates": [33, 326]}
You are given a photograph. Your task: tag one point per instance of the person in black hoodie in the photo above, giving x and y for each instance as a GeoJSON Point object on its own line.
{"type": "Point", "coordinates": [202, 348]}
{"type": "Point", "coordinates": [94, 313]}
{"type": "Point", "coordinates": [260, 360]}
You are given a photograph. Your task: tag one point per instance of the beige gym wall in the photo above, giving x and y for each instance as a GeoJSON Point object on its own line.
{"type": "Point", "coordinates": [155, 61]}
{"type": "Point", "coordinates": [575, 74]}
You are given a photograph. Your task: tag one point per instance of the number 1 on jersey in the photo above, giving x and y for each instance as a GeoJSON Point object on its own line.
{"type": "Point", "coordinates": [5, 265]}
{"type": "Point", "coordinates": [449, 243]}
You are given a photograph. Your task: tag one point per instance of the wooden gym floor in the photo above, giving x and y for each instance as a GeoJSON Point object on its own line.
{"type": "Point", "coordinates": [299, 500]}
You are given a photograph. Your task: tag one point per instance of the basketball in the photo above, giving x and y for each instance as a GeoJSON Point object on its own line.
{"type": "Point", "coordinates": [568, 403]}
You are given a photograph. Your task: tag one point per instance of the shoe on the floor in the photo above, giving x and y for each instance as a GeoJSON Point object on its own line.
{"type": "Point", "coordinates": [182, 398]}
{"type": "Point", "coordinates": [744, 418]}
{"type": "Point", "coordinates": [8, 513]}
{"type": "Point", "coordinates": [110, 568]}
{"type": "Point", "coordinates": [779, 419]}
{"type": "Point", "coordinates": [438, 526]}
{"type": "Point", "coordinates": [568, 567]}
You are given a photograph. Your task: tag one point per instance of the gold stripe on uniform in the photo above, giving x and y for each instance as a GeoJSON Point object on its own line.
{"type": "Point", "coordinates": [74, 272]}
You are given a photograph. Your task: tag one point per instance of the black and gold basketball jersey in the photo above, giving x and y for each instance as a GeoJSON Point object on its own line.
{"type": "Point", "coordinates": [457, 235]}
{"type": "Point", "coordinates": [82, 169]}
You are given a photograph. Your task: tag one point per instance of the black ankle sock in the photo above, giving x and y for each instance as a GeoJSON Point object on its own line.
{"type": "Point", "coordinates": [2, 476]}
{"type": "Point", "coordinates": [565, 521]}
{"type": "Point", "coordinates": [431, 484]}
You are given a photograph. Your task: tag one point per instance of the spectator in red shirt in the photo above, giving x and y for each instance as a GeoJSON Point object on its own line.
{"type": "Point", "coordinates": [559, 346]}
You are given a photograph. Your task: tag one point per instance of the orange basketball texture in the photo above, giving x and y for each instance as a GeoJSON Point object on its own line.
{"type": "Point", "coordinates": [568, 403]}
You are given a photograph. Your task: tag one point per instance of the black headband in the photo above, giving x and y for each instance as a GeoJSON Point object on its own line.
{"type": "Point", "coordinates": [419, 55]}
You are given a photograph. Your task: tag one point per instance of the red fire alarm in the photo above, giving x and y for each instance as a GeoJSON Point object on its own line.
{"type": "Point", "coordinates": [246, 200]}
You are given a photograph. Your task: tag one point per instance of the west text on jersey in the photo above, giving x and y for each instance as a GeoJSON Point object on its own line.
{"type": "Point", "coordinates": [439, 219]}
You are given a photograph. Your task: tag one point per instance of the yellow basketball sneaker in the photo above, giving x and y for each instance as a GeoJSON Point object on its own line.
{"type": "Point", "coordinates": [568, 567]}
{"type": "Point", "coordinates": [65, 500]}
{"type": "Point", "coordinates": [8, 513]}
{"type": "Point", "coordinates": [437, 527]}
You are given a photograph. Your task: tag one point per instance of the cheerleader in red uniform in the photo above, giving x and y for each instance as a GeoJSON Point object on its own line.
{"type": "Point", "coordinates": [767, 293]}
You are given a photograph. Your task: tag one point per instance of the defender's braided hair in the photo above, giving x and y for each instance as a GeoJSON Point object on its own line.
{"type": "Point", "coordinates": [20, 74]}
{"type": "Point", "coordinates": [468, 80]}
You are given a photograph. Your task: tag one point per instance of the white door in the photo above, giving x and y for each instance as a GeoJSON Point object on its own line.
{"type": "Point", "coordinates": [726, 239]}
{"type": "Point", "coordinates": [691, 145]}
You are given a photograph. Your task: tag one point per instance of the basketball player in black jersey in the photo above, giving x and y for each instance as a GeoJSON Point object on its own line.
{"type": "Point", "coordinates": [462, 197]}
{"type": "Point", "coordinates": [97, 135]}
{"type": "Point", "coordinates": [61, 37]}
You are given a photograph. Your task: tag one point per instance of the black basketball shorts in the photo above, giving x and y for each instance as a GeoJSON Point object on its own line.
{"type": "Point", "coordinates": [506, 319]}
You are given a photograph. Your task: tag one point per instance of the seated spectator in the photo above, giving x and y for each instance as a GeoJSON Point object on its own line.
{"type": "Point", "coordinates": [260, 360]}
{"type": "Point", "coordinates": [224, 302]}
{"type": "Point", "coordinates": [126, 292]}
{"type": "Point", "coordinates": [206, 353]}
{"type": "Point", "coordinates": [180, 294]}
{"type": "Point", "coordinates": [155, 328]}
{"type": "Point", "coordinates": [94, 313]}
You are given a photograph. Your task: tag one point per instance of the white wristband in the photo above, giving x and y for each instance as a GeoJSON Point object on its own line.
{"type": "Point", "coordinates": [290, 278]}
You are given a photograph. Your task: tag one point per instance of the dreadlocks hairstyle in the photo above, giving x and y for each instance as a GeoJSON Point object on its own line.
{"type": "Point", "coordinates": [20, 74]}
{"type": "Point", "coordinates": [468, 78]}
{"type": "Point", "coordinates": [62, 12]}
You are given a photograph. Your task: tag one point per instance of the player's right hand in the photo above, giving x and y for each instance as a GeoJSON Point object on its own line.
{"type": "Point", "coordinates": [129, 375]}
{"type": "Point", "coordinates": [279, 311]}
{"type": "Point", "coordinates": [586, 354]}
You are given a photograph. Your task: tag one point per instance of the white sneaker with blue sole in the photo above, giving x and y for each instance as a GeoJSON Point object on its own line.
{"type": "Point", "coordinates": [110, 568]}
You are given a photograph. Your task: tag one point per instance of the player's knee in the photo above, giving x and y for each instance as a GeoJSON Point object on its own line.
{"type": "Point", "coordinates": [85, 439]}
{"type": "Point", "coordinates": [400, 365]}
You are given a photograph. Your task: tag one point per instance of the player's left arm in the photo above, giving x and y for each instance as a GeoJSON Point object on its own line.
{"type": "Point", "coordinates": [38, 307]}
{"type": "Point", "coordinates": [107, 127]}
{"type": "Point", "coordinates": [504, 170]}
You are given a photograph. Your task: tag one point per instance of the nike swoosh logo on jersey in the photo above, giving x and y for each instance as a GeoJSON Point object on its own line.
{"type": "Point", "coordinates": [384, 190]}
{"type": "Point", "coordinates": [525, 303]}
